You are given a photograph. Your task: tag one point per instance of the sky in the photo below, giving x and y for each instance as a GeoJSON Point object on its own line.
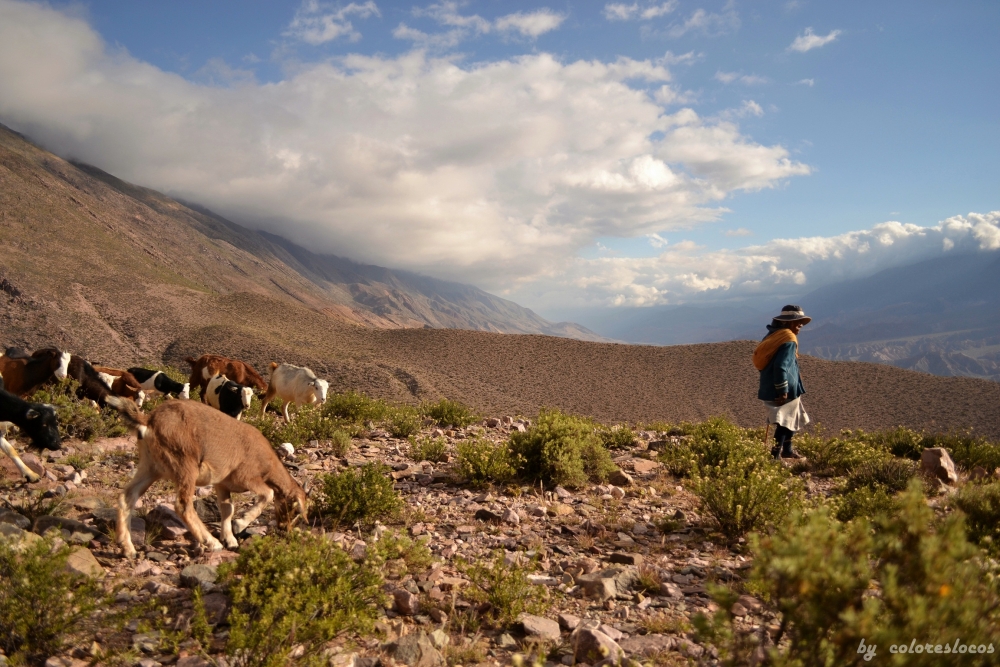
{"type": "Point", "coordinates": [561, 154]}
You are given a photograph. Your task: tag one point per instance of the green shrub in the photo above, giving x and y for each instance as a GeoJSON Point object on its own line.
{"type": "Point", "coordinates": [450, 413]}
{"type": "Point", "coordinates": [618, 436]}
{"type": "Point", "coordinates": [900, 441]}
{"type": "Point", "coordinates": [355, 407]}
{"type": "Point", "coordinates": [78, 418]}
{"type": "Point", "coordinates": [747, 491]}
{"type": "Point", "coordinates": [340, 442]}
{"type": "Point", "coordinates": [710, 444]}
{"type": "Point", "coordinates": [308, 423]}
{"type": "Point", "coordinates": [716, 433]}
{"type": "Point", "coordinates": [404, 422]}
{"type": "Point", "coordinates": [561, 449]}
{"type": "Point", "coordinates": [394, 549]}
{"type": "Point", "coordinates": [865, 502]}
{"type": "Point", "coordinates": [296, 590]}
{"type": "Point", "coordinates": [838, 455]}
{"type": "Point", "coordinates": [892, 474]}
{"type": "Point", "coordinates": [42, 604]}
{"type": "Point", "coordinates": [480, 461]}
{"type": "Point", "coordinates": [359, 496]}
{"type": "Point", "coordinates": [429, 449]}
{"type": "Point", "coordinates": [981, 505]}
{"type": "Point", "coordinates": [506, 587]}
{"type": "Point", "coordinates": [835, 584]}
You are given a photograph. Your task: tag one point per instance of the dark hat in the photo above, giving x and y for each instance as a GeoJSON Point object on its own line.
{"type": "Point", "coordinates": [792, 314]}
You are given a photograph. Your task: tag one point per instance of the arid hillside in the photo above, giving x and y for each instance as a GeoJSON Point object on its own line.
{"type": "Point", "coordinates": [123, 275]}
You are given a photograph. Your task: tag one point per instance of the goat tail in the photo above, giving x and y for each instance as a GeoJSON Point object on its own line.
{"type": "Point", "coordinates": [191, 360]}
{"type": "Point", "coordinates": [134, 418]}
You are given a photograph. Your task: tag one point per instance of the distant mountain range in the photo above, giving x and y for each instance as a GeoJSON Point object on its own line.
{"type": "Point", "coordinates": [93, 261]}
{"type": "Point", "coordinates": [939, 316]}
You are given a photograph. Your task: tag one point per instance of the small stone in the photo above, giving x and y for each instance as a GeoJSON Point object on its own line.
{"type": "Point", "coordinates": [538, 510]}
{"type": "Point", "coordinates": [590, 645]}
{"type": "Point", "coordinates": [738, 609]}
{"type": "Point", "coordinates": [81, 561]}
{"type": "Point", "coordinates": [207, 510]}
{"type": "Point", "coordinates": [156, 556]}
{"type": "Point", "coordinates": [488, 516]}
{"type": "Point", "coordinates": [614, 633]}
{"type": "Point", "coordinates": [416, 650]}
{"type": "Point", "coordinates": [192, 661]}
{"type": "Point", "coordinates": [286, 450]}
{"type": "Point", "coordinates": [616, 493]}
{"type": "Point", "coordinates": [560, 509]}
{"type": "Point", "coordinates": [978, 473]}
{"type": "Point", "coordinates": [510, 517]}
{"type": "Point", "coordinates": [644, 466]}
{"type": "Point", "coordinates": [15, 519]}
{"type": "Point", "coordinates": [671, 590]}
{"type": "Point", "coordinates": [216, 607]}
{"type": "Point", "coordinates": [627, 559]}
{"type": "Point", "coordinates": [647, 645]}
{"type": "Point", "coordinates": [407, 603]}
{"type": "Point", "coordinates": [640, 528]}
{"type": "Point", "coordinates": [506, 641]}
{"type": "Point", "coordinates": [198, 575]}
{"type": "Point", "coordinates": [568, 622]}
{"type": "Point", "coordinates": [750, 603]}
{"type": "Point", "coordinates": [620, 478]}
{"type": "Point", "coordinates": [538, 626]}
{"type": "Point", "coordinates": [359, 550]}
{"type": "Point", "coordinates": [562, 493]}
{"type": "Point", "coordinates": [436, 614]}
{"type": "Point", "coordinates": [47, 522]}
{"type": "Point", "coordinates": [440, 638]}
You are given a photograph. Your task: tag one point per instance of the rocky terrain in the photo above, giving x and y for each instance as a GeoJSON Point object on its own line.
{"type": "Point", "coordinates": [625, 564]}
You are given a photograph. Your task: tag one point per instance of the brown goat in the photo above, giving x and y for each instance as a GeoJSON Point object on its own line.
{"type": "Point", "coordinates": [207, 365]}
{"type": "Point", "coordinates": [125, 384]}
{"type": "Point", "coordinates": [193, 445]}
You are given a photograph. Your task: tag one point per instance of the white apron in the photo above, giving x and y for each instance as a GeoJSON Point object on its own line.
{"type": "Point", "coordinates": [792, 415]}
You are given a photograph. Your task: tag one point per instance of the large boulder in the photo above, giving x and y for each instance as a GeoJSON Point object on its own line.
{"type": "Point", "coordinates": [936, 461]}
{"type": "Point", "coordinates": [82, 562]}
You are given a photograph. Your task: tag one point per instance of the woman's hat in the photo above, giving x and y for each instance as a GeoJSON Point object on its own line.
{"type": "Point", "coordinates": [792, 314]}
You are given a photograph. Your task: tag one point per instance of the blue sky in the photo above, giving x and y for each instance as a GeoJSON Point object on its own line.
{"type": "Point", "coordinates": [772, 120]}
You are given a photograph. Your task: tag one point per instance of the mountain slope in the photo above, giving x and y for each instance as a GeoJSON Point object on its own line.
{"type": "Point", "coordinates": [73, 235]}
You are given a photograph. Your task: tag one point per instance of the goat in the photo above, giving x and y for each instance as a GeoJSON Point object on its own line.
{"type": "Point", "coordinates": [295, 384]}
{"type": "Point", "coordinates": [37, 420]}
{"type": "Point", "coordinates": [23, 373]}
{"type": "Point", "coordinates": [191, 444]}
{"type": "Point", "coordinates": [157, 382]}
{"type": "Point", "coordinates": [227, 396]}
{"type": "Point", "coordinates": [121, 383]}
{"type": "Point", "coordinates": [207, 365]}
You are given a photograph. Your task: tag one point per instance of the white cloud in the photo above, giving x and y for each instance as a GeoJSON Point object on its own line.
{"type": "Point", "coordinates": [709, 23]}
{"type": "Point", "coordinates": [736, 77]}
{"type": "Point", "coordinates": [807, 82]}
{"type": "Point", "coordinates": [809, 40]}
{"type": "Point", "coordinates": [619, 11]}
{"type": "Point", "coordinates": [527, 24]}
{"type": "Point", "coordinates": [494, 173]}
{"type": "Point", "coordinates": [742, 231]}
{"type": "Point", "coordinates": [531, 24]}
{"type": "Point", "coordinates": [317, 23]}
{"type": "Point", "coordinates": [685, 272]}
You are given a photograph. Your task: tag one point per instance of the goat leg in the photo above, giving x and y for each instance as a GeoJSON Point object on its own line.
{"type": "Point", "coordinates": [140, 482]}
{"type": "Point", "coordinates": [264, 496]}
{"type": "Point", "coordinates": [9, 450]}
{"type": "Point", "coordinates": [226, 511]}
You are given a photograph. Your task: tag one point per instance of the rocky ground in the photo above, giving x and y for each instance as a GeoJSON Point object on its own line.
{"type": "Point", "coordinates": [625, 564]}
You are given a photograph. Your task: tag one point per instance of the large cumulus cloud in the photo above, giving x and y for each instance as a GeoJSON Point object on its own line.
{"type": "Point", "coordinates": [495, 173]}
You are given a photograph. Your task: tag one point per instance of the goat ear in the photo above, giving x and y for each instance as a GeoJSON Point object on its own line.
{"type": "Point", "coordinates": [32, 414]}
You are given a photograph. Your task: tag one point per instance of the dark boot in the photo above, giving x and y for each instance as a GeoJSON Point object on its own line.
{"type": "Point", "coordinates": [787, 452]}
{"type": "Point", "coordinates": [776, 450]}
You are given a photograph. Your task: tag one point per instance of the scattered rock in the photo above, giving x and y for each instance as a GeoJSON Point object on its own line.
{"type": "Point", "coordinates": [537, 626]}
{"type": "Point", "coordinates": [750, 603]}
{"type": "Point", "coordinates": [620, 478]}
{"type": "Point", "coordinates": [936, 461]}
{"type": "Point", "coordinates": [440, 638]}
{"type": "Point", "coordinates": [77, 531]}
{"type": "Point", "coordinates": [488, 516]}
{"type": "Point", "coordinates": [610, 583]}
{"type": "Point", "coordinates": [671, 590]}
{"type": "Point", "coordinates": [81, 561]}
{"type": "Point", "coordinates": [978, 473]}
{"type": "Point", "coordinates": [198, 575]}
{"type": "Point", "coordinates": [739, 610]}
{"type": "Point", "coordinates": [216, 607]}
{"type": "Point", "coordinates": [192, 661]}
{"type": "Point", "coordinates": [647, 645]}
{"type": "Point", "coordinates": [407, 603]}
{"type": "Point", "coordinates": [644, 466]}
{"type": "Point", "coordinates": [15, 519]}
{"type": "Point", "coordinates": [286, 450]}
{"type": "Point", "coordinates": [591, 646]}
{"type": "Point", "coordinates": [627, 559]}
{"type": "Point", "coordinates": [207, 510]}
{"type": "Point", "coordinates": [416, 650]}
{"type": "Point", "coordinates": [506, 641]}
{"type": "Point", "coordinates": [569, 622]}
{"type": "Point", "coordinates": [510, 517]}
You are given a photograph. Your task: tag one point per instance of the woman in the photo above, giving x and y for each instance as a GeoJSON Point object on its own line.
{"type": "Point", "coordinates": [776, 357]}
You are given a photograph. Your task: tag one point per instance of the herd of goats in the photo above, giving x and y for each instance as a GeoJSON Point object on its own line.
{"type": "Point", "coordinates": [186, 442]}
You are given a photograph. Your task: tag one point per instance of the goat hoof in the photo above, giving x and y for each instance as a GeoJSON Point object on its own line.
{"type": "Point", "coordinates": [31, 477]}
{"type": "Point", "coordinates": [214, 545]}
{"type": "Point", "coordinates": [232, 544]}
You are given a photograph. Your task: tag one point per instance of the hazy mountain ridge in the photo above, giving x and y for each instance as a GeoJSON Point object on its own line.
{"type": "Point", "coordinates": [939, 316]}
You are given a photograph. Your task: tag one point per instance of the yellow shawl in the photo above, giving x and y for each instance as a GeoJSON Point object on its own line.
{"type": "Point", "coordinates": [766, 349]}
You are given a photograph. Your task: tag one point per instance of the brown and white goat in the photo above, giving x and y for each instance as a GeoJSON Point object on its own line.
{"type": "Point", "coordinates": [193, 445]}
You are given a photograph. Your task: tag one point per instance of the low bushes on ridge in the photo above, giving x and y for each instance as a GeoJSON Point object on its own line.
{"type": "Point", "coordinates": [561, 449]}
